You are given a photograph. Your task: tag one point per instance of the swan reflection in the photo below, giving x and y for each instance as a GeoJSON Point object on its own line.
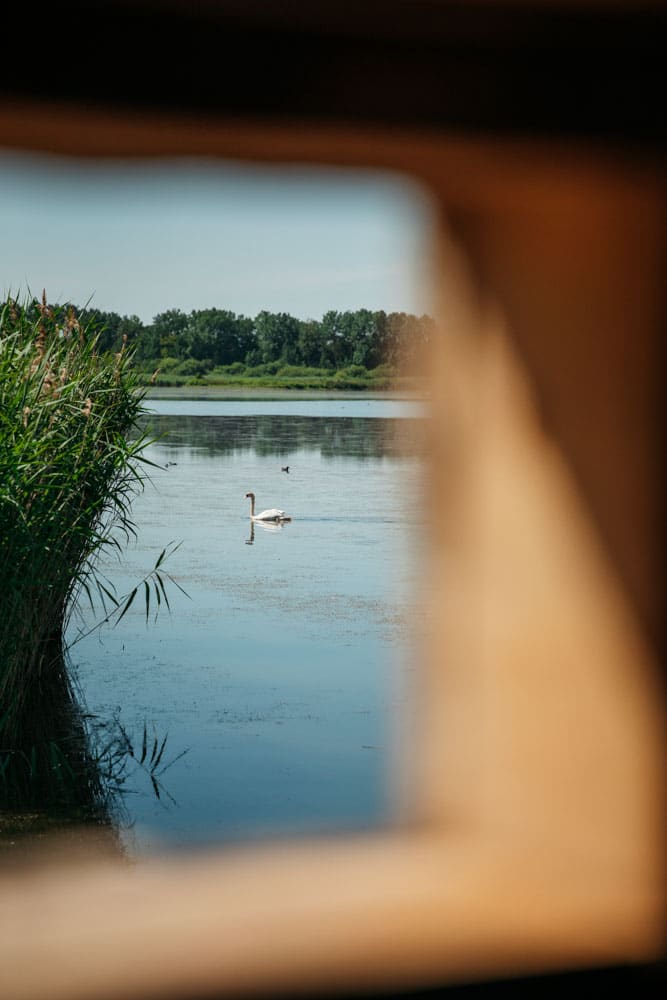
{"type": "Point", "coordinates": [265, 526]}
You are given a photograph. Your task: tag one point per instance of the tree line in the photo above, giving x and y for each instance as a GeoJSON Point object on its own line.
{"type": "Point", "coordinates": [197, 342]}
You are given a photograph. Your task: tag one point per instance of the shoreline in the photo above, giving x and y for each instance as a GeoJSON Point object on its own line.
{"type": "Point", "coordinates": [217, 392]}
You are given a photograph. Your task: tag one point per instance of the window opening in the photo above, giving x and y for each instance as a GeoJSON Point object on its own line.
{"type": "Point", "coordinates": [277, 318]}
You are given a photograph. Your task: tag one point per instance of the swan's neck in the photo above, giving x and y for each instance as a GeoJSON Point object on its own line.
{"type": "Point", "coordinates": [252, 505]}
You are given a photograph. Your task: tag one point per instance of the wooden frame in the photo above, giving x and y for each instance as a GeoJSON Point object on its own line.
{"type": "Point", "coordinates": [534, 798]}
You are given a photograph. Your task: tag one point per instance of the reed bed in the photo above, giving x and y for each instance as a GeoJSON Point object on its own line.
{"type": "Point", "coordinates": [70, 463]}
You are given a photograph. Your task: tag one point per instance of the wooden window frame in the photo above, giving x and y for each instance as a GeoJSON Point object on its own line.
{"type": "Point", "coordinates": [531, 838]}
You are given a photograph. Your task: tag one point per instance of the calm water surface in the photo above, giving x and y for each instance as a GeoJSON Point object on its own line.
{"type": "Point", "coordinates": [282, 674]}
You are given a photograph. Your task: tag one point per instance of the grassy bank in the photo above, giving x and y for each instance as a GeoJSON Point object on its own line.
{"type": "Point", "coordinates": [354, 378]}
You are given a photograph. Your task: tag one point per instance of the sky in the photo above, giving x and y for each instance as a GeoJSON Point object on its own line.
{"type": "Point", "coordinates": [140, 239]}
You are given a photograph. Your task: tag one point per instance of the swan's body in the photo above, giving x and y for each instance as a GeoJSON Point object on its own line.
{"type": "Point", "coordinates": [272, 514]}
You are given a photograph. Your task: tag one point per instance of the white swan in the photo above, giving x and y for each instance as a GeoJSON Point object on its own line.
{"type": "Point", "coordinates": [272, 514]}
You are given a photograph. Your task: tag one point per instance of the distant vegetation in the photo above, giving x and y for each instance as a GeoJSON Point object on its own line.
{"type": "Point", "coordinates": [342, 350]}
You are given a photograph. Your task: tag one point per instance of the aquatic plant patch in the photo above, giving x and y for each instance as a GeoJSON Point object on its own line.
{"type": "Point", "coordinates": [70, 462]}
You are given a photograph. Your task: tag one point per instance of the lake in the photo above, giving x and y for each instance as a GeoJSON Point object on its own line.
{"type": "Point", "coordinates": [280, 678]}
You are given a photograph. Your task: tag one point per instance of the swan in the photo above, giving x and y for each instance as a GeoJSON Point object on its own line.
{"type": "Point", "coordinates": [272, 514]}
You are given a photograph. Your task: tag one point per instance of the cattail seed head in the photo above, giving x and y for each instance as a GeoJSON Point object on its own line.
{"type": "Point", "coordinates": [72, 321]}
{"type": "Point", "coordinates": [48, 383]}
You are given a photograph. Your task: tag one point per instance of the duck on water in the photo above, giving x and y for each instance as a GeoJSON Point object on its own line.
{"type": "Point", "coordinates": [272, 514]}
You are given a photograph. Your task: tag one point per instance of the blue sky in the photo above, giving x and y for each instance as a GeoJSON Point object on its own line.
{"type": "Point", "coordinates": [184, 234]}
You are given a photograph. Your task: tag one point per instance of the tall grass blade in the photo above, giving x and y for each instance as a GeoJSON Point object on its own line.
{"type": "Point", "coordinates": [70, 465]}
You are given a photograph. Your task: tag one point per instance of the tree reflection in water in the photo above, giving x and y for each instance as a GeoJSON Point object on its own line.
{"type": "Point", "coordinates": [370, 438]}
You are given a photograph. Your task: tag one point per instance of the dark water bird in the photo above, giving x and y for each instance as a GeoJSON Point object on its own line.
{"type": "Point", "coordinates": [272, 514]}
{"type": "Point", "coordinates": [284, 468]}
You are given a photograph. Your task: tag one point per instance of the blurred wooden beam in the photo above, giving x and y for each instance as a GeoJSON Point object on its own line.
{"type": "Point", "coordinates": [568, 69]}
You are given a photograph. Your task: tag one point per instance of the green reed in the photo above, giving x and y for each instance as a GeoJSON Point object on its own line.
{"type": "Point", "coordinates": [70, 463]}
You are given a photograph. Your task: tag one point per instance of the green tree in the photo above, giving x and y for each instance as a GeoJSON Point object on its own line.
{"type": "Point", "coordinates": [220, 335]}
{"type": "Point", "coordinates": [360, 328]}
{"type": "Point", "coordinates": [334, 347]}
{"type": "Point", "coordinates": [169, 328]}
{"type": "Point", "coordinates": [277, 337]}
{"type": "Point", "coordinates": [310, 344]}
{"type": "Point", "coordinates": [407, 338]}
{"type": "Point", "coordinates": [351, 338]}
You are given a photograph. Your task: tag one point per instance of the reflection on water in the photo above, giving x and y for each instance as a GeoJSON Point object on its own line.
{"type": "Point", "coordinates": [281, 674]}
{"type": "Point", "coordinates": [263, 526]}
{"type": "Point", "coordinates": [281, 436]}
